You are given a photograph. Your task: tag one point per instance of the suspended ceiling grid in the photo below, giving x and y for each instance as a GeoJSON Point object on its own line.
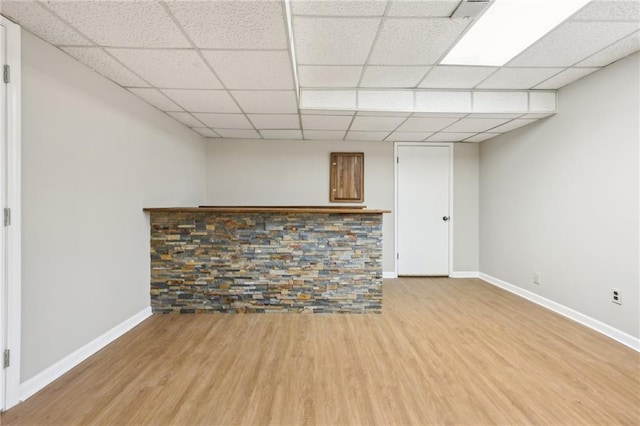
{"type": "Point", "coordinates": [366, 70]}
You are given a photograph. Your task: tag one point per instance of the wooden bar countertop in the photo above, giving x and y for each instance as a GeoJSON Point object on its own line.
{"type": "Point", "coordinates": [267, 209]}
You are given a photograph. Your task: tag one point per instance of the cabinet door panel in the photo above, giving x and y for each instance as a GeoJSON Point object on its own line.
{"type": "Point", "coordinates": [347, 177]}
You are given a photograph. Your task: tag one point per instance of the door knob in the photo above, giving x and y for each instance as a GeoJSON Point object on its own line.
{"type": "Point", "coordinates": [445, 218]}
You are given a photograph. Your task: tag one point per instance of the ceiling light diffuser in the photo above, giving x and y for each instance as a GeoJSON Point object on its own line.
{"type": "Point", "coordinates": [507, 28]}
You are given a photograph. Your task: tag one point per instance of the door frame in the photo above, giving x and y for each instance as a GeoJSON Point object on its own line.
{"type": "Point", "coordinates": [396, 145]}
{"type": "Point", "coordinates": [13, 262]}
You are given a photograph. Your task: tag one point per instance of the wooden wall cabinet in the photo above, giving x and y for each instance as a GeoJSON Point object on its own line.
{"type": "Point", "coordinates": [346, 177]}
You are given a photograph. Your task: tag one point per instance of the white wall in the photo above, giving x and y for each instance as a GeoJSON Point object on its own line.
{"type": "Point", "coordinates": [561, 197]}
{"type": "Point", "coordinates": [93, 156]}
{"type": "Point", "coordinates": [250, 172]}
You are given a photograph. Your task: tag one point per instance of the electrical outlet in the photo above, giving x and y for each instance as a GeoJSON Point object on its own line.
{"type": "Point", "coordinates": [616, 296]}
{"type": "Point", "coordinates": [536, 278]}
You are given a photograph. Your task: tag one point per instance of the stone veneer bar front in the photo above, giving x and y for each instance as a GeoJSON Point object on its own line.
{"type": "Point", "coordinates": [266, 259]}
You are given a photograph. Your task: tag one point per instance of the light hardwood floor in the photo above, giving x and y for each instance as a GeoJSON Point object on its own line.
{"type": "Point", "coordinates": [443, 352]}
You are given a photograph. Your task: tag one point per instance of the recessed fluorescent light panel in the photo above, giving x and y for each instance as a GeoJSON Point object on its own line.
{"type": "Point", "coordinates": [507, 28]}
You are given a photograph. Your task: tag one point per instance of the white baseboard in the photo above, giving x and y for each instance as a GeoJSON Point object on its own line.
{"type": "Point", "coordinates": [592, 323]}
{"type": "Point", "coordinates": [459, 274]}
{"type": "Point", "coordinates": [464, 274]}
{"type": "Point", "coordinates": [38, 382]}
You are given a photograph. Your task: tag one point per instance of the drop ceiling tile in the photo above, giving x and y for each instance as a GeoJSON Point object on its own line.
{"type": "Point", "coordinates": [383, 114]}
{"type": "Point", "coordinates": [386, 100]}
{"type": "Point", "coordinates": [224, 121]}
{"type": "Point", "coordinates": [475, 124]}
{"type": "Point", "coordinates": [325, 122]}
{"type": "Point", "coordinates": [156, 98]}
{"type": "Point", "coordinates": [329, 135]}
{"type": "Point", "coordinates": [542, 101]}
{"type": "Point", "coordinates": [572, 42]}
{"type": "Point", "coordinates": [538, 115]}
{"type": "Point", "coordinates": [366, 136]}
{"type": "Point", "coordinates": [281, 134]}
{"type": "Point", "coordinates": [328, 76]}
{"type": "Point", "coordinates": [392, 76]}
{"type": "Point", "coordinates": [495, 115]}
{"type": "Point", "coordinates": [482, 137]}
{"type": "Point", "coordinates": [338, 8]}
{"type": "Point", "coordinates": [333, 41]}
{"type": "Point", "coordinates": [435, 101]}
{"type": "Point", "coordinates": [326, 112]}
{"type": "Point", "coordinates": [328, 99]}
{"type": "Point", "coordinates": [408, 136]}
{"type": "Point", "coordinates": [455, 77]}
{"type": "Point", "coordinates": [426, 9]}
{"type": "Point", "coordinates": [252, 69]}
{"type": "Point", "coordinates": [415, 41]}
{"type": "Point", "coordinates": [207, 133]}
{"type": "Point", "coordinates": [376, 123]}
{"type": "Point", "coordinates": [565, 77]}
{"type": "Point", "coordinates": [43, 23]}
{"type": "Point", "coordinates": [518, 78]}
{"type": "Point", "coordinates": [618, 50]}
{"type": "Point", "coordinates": [450, 137]}
{"type": "Point", "coordinates": [414, 124]}
{"type": "Point", "coordinates": [280, 101]}
{"type": "Point", "coordinates": [101, 62]}
{"type": "Point", "coordinates": [186, 119]}
{"type": "Point", "coordinates": [497, 101]}
{"type": "Point", "coordinates": [171, 69]}
{"type": "Point", "coordinates": [440, 114]}
{"type": "Point", "coordinates": [202, 100]}
{"type": "Point", "coordinates": [609, 10]}
{"type": "Point", "coordinates": [238, 134]}
{"type": "Point", "coordinates": [514, 124]}
{"type": "Point", "coordinates": [122, 23]}
{"type": "Point", "coordinates": [275, 121]}
{"type": "Point", "coordinates": [232, 24]}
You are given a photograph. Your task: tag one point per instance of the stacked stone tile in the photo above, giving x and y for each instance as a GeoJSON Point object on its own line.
{"type": "Point", "coordinates": [266, 262]}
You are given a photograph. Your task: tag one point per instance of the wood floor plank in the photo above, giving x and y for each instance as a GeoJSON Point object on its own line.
{"type": "Point", "coordinates": [444, 351]}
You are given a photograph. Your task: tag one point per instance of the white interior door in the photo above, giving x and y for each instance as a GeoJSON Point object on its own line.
{"type": "Point", "coordinates": [10, 235]}
{"type": "Point", "coordinates": [3, 235]}
{"type": "Point", "coordinates": [423, 174]}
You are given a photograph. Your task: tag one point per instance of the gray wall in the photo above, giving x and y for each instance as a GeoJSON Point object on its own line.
{"type": "Point", "coordinates": [561, 197]}
{"type": "Point", "coordinates": [254, 172]}
{"type": "Point", "coordinates": [250, 172]}
{"type": "Point", "coordinates": [93, 156]}
{"type": "Point", "coordinates": [466, 187]}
